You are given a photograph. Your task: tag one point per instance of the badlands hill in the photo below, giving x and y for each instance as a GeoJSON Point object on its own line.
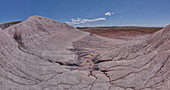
{"type": "Point", "coordinates": [43, 54]}
{"type": "Point", "coordinates": [5, 25]}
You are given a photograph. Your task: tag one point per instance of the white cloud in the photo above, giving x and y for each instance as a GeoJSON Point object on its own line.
{"type": "Point", "coordinates": [109, 13]}
{"type": "Point", "coordinates": [121, 17]}
{"type": "Point", "coordinates": [82, 21]}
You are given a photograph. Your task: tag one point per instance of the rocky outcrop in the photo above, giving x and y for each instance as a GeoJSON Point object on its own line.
{"type": "Point", "coordinates": [43, 54]}
{"type": "Point", "coordinates": [5, 25]}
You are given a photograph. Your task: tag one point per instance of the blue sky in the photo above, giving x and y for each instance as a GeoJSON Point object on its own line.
{"type": "Point", "coordinates": [90, 12]}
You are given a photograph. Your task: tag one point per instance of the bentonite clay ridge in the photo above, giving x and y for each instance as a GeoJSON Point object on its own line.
{"type": "Point", "coordinates": [43, 54]}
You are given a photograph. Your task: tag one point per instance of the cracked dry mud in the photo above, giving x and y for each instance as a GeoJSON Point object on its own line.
{"type": "Point", "coordinates": [43, 54]}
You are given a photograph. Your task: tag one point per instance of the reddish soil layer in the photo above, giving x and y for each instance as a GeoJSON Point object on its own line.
{"type": "Point", "coordinates": [121, 32]}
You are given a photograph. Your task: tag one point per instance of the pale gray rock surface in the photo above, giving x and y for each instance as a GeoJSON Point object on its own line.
{"type": "Point", "coordinates": [43, 54]}
{"type": "Point", "coordinates": [5, 25]}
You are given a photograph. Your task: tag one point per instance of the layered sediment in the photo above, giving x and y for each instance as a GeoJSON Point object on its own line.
{"type": "Point", "coordinates": [43, 54]}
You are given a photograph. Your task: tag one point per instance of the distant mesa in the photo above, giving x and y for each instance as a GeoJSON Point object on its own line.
{"type": "Point", "coordinates": [122, 32]}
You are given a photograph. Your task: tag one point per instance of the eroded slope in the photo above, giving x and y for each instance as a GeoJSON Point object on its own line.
{"type": "Point", "coordinates": [42, 54]}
